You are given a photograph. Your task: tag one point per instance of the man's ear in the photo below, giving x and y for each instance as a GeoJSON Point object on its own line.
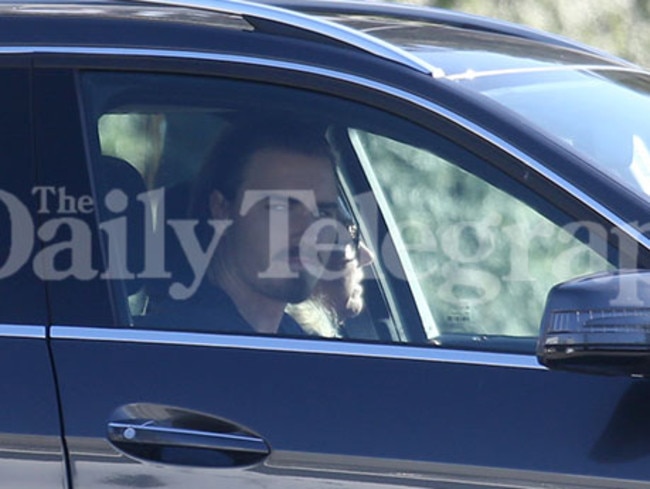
{"type": "Point", "coordinates": [219, 206]}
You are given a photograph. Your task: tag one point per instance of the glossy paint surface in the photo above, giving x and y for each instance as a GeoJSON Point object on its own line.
{"type": "Point", "coordinates": [299, 413]}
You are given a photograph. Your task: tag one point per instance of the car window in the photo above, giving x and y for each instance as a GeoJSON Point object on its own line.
{"type": "Point", "coordinates": [615, 140]}
{"type": "Point", "coordinates": [152, 158]}
{"type": "Point", "coordinates": [410, 237]}
{"type": "Point", "coordinates": [482, 258]}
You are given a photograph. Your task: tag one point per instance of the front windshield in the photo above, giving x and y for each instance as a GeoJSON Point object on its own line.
{"type": "Point", "coordinates": [600, 113]}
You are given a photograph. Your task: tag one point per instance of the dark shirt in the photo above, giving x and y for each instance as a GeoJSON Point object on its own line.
{"type": "Point", "coordinates": [212, 310]}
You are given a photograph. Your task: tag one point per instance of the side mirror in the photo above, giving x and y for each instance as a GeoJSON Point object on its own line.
{"type": "Point", "coordinates": [598, 324]}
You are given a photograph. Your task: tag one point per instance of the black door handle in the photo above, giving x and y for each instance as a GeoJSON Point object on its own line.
{"type": "Point", "coordinates": [176, 436]}
{"type": "Point", "coordinates": [151, 434]}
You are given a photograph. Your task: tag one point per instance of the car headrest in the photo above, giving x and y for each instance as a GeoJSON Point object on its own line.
{"type": "Point", "coordinates": [118, 185]}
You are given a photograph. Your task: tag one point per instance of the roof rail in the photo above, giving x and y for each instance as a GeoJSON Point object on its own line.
{"type": "Point", "coordinates": [282, 21]}
{"type": "Point", "coordinates": [439, 15]}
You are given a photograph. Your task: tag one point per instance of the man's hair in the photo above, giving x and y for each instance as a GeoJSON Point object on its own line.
{"type": "Point", "coordinates": [225, 168]}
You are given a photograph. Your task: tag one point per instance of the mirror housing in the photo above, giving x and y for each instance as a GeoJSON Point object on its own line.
{"type": "Point", "coordinates": [598, 324]}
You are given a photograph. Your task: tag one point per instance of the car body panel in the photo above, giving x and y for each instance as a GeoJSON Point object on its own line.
{"type": "Point", "coordinates": [31, 446]}
{"type": "Point", "coordinates": [362, 417]}
{"type": "Point", "coordinates": [330, 412]}
{"type": "Point", "coordinates": [31, 453]}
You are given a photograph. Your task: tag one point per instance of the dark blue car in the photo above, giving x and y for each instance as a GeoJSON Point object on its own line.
{"type": "Point", "coordinates": [487, 187]}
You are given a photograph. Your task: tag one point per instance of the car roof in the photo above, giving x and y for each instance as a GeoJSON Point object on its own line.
{"type": "Point", "coordinates": [76, 23]}
{"type": "Point", "coordinates": [431, 15]}
{"type": "Point", "coordinates": [455, 42]}
{"type": "Point", "coordinates": [431, 41]}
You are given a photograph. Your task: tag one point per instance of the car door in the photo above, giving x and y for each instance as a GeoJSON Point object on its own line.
{"type": "Point", "coordinates": [430, 395]}
{"type": "Point", "coordinates": [31, 449]}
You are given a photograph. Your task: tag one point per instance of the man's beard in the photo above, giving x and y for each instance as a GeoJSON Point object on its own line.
{"type": "Point", "coordinates": [290, 290]}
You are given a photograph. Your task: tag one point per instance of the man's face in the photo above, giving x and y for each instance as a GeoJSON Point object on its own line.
{"type": "Point", "coordinates": [269, 220]}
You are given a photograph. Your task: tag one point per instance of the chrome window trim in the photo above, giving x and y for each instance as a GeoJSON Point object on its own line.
{"type": "Point", "coordinates": [22, 331]}
{"type": "Point", "coordinates": [317, 346]}
{"type": "Point", "coordinates": [471, 357]}
{"type": "Point", "coordinates": [472, 75]}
